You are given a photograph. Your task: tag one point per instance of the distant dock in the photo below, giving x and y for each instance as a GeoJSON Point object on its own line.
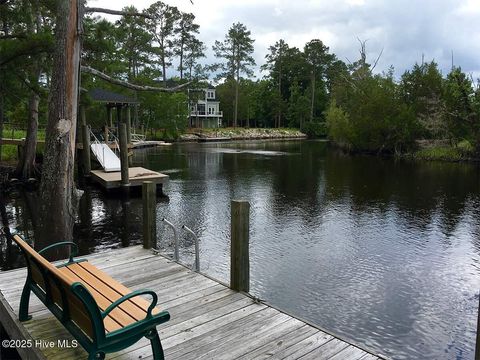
{"type": "Point", "coordinates": [136, 175]}
{"type": "Point", "coordinates": [208, 320]}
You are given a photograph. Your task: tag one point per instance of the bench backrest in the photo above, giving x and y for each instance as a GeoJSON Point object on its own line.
{"type": "Point", "coordinates": [55, 288]}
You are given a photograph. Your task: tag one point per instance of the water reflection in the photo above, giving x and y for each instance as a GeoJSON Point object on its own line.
{"type": "Point", "coordinates": [383, 252]}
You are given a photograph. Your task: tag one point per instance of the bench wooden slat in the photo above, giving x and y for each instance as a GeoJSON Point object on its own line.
{"type": "Point", "coordinates": [130, 308]}
{"type": "Point", "coordinates": [120, 288]}
{"type": "Point", "coordinates": [118, 315]}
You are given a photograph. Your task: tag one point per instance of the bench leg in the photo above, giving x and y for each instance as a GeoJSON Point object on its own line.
{"type": "Point", "coordinates": [96, 355]}
{"type": "Point", "coordinates": [156, 345]}
{"type": "Point", "coordinates": [24, 301]}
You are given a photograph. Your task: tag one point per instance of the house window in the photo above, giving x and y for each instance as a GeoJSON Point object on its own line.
{"type": "Point", "coordinates": [211, 110]}
{"type": "Point", "coordinates": [210, 94]}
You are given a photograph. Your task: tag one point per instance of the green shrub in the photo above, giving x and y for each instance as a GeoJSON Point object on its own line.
{"type": "Point", "coordinates": [439, 153]}
{"type": "Point", "coordinates": [315, 129]}
{"type": "Point", "coordinates": [465, 148]}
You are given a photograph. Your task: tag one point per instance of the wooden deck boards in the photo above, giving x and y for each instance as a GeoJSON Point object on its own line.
{"type": "Point", "coordinates": [137, 175]}
{"type": "Point", "coordinates": [208, 320]}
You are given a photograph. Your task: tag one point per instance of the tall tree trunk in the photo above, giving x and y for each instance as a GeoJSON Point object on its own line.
{"type": "Point", "coordinates": [313, 96]}
{"type": "Point", "coordinates": [57, 192]}
{"type": "Point", "coordinates": [181, 61]}
{"type": "Point", "coordinates": [279, 122]}
{"type": "Point", "coordinates": [1, 118]}
{"type": "Point", "coordinates": [26, 165]}
{"type": "Point", "coordinates": [235, 114]}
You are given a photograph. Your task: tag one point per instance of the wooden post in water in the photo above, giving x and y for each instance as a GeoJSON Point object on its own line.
{"type": "Point", "coordinates": [477, 344]}
{"type": "Point", "coordinates": [239, 251]}
{"type": "Point", "coordinates": [123, 155]}
{"type": "Point", "coordinates": [149, 198]}
{"type": "Point", "coordinates": [109, 116]}
{"type": "Point", "coordinates": [128, 123]}
{"type": "Point", "coordinates": [86, 150]}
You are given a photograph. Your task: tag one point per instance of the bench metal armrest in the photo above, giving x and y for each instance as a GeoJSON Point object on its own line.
{"type": "Point", "coordinates": [132, 295]}
{"type": "Point", "coordinates": [73, 252]}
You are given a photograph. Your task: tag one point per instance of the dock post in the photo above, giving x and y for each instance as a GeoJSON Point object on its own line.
{"type": "Point", "coordinates": [124, 156]}
{"type": "Point", "coordinates": [149, 198]}
{"type": "Point", "coordinates": [109, 116]}
{"type": "Point", "coordinates": [477, 341]}
{"type": "Point", "coordinates": [86, 150]}
{"type": "Point", "coordinates": [239, 248]}
{"type": "Point", "coordinates": [128, 123]}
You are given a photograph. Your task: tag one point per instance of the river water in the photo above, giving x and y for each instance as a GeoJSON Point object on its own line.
{"type": "Point", "coordinates": [383, 253]}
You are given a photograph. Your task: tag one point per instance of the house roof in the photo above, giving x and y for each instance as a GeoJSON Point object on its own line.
{"type": "Point", "coordinates": [105, 96]}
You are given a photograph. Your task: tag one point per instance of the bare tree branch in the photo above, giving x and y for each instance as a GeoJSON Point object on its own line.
{"type": "Point", "coordinates": [89, 70]}
{"type": "Point", "coordinates": [376, 61]}
{"type": "Point", "coordinates": [116, 12]}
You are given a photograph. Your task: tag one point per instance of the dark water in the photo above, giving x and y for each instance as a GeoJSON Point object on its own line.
{"type": "Point", "coordinates": [382, 252]}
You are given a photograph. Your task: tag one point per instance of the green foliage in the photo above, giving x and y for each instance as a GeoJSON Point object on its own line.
{"type": "Point", "coordinates": [315, 129]}
{"type": "Point", "coordinates": [421, 88]}
{"type": "Point", "coordinates": [443, 153]}
{"type": "Point", "coordinates": [372, 118]}
{"type": "Point", "coordinates": [466, 148]}
{"type": "Point", "coordinates": [165, 111]}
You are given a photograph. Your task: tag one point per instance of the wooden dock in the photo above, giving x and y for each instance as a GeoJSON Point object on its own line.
{"type": "Point", "coordinates": [208, 320]}
{"type": "Point", "coordinates": [137, 175]}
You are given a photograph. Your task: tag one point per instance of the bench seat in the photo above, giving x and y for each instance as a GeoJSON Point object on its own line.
{"type": "Point", "coordinates": [102, 314]}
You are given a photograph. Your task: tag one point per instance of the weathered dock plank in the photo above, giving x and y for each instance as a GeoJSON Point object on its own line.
{"type": "Point", "coordinates": [208, 320]}
{"type": "Point", "coordinates": [136, 175]}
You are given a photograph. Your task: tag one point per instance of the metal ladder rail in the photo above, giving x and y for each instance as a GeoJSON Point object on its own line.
{"type": "Point", "coordinates": [196, 265]}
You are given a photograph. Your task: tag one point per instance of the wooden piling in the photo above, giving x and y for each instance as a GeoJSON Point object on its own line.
{"type": "Point", "coordinates": [109, 116]}
{"type": "Point", "coordinates": [86, 150]}
{"type": "Point", "coordinates": [239, 248]}
{"type": "Point", "coordinates": [477, 343]}
{"type": "Point", "coordinates": [123, 155]}
{"type": "Point", "coordinates": [128, 122]}
{"type": "Point", "coordinates": [149, 198]}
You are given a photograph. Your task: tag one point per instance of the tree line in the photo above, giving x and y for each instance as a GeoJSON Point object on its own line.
{"type": "Point", "coordinates": [308, 88]}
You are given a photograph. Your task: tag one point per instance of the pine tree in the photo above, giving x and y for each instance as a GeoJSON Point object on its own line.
{"type": "Point", "coordinates": [236, 49]}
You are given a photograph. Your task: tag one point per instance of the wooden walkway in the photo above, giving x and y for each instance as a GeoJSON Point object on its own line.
{"type": "Point", "coordinates": [208, 320]}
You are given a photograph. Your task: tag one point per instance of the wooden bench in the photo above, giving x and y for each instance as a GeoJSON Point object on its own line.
{"type": "Point", "coordinates": [102, 314]}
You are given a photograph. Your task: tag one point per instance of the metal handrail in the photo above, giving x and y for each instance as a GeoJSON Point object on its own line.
{"type": "Point", "coordinates": [175, 235]}
{"type": "Point", "coordinates": [197, 251]}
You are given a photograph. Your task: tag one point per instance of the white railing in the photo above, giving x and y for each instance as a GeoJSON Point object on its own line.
{"type": "Point", "coordinates": [203, 113]}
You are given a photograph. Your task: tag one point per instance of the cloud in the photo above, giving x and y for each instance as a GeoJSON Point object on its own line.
{"type": "Point", "coordinates": [405, 29]}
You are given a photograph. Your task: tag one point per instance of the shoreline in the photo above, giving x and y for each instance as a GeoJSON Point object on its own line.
{"type": "Point", "coordinates": [233, 134]}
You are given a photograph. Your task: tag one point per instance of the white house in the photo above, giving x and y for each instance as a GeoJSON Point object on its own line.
{"type": "Point", "coordinates": [204, 108]}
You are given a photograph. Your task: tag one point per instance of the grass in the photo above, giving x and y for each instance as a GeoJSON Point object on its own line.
{"type": "Point", "coordinates": [9, 152]}
{"type": "Point", "coordinates": [444, 153]}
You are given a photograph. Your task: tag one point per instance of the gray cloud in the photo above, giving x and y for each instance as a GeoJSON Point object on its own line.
{"type": "Point", "coordinates": [404, 29]}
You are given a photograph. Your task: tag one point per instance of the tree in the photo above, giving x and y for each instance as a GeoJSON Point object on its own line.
{"type": "Point", "coordinates": [58, 194]}
{"type": "Point", "coordinates": [185, 31]}
{"type": "Point", "coordinates": [236, 49]}
{"type": "Point", "coordinates": [161, 24]}
{"type": "Point", "coordinates": [298, 107]}
{"type": "Point", "coordinates": [134, 44]}
{"type": "Point", "coordinates": [422, 89]}
{"type": "Point", "coordinates": [194, 50]}
{"type": "Point", "coordinates": [318, 59]}
{"type": "Point", "coordinates": [459, 98]}
{"type": "Point", "coordinates": [275, 64]}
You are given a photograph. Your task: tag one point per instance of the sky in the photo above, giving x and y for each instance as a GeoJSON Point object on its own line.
{"type": "Point", "coordinates": [406, 30]}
